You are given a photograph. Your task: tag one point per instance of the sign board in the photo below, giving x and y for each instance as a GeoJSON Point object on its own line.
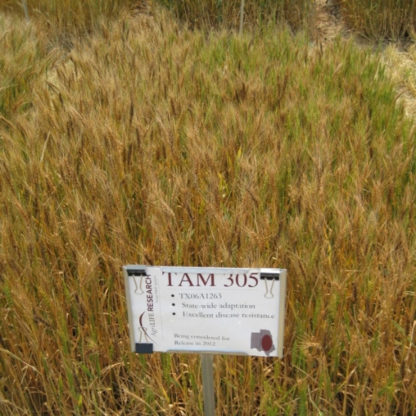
{"type": "Point", "coordinates": [209, 310]}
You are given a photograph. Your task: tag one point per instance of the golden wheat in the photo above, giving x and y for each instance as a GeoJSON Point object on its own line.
{"type": "Point", "coordinates": [150, 143]}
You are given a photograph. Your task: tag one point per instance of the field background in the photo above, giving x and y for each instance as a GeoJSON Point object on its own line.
{"type": "Point", "coordinates": [140, 133]}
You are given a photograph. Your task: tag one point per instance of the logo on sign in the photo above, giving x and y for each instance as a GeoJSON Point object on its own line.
{"type": "Point", "coordinates": [262, 341]}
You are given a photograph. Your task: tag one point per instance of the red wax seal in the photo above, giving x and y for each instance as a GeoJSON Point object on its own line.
{"type": "Point", "coordinates": [266, 342]}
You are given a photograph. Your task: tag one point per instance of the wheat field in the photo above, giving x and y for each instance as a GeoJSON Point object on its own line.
{"type": "Point", "coordinates": [141, 140]}
{"type": "Point", "coordinates": [380, 19]}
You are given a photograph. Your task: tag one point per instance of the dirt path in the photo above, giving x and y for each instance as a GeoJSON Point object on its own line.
{"type": "Point", "coordinates": [328, 24]}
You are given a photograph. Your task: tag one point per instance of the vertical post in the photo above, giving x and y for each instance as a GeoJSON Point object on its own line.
{"type": "Point", "coordinates": [241, 16]}
{"type": "Point", "coordinates": [24, 4]}
{"type": "Point", "coordinates": [208, 384]}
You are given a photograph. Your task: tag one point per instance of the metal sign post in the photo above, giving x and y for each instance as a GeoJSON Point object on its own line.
{"type": "Point", "coordinates": [24, 5]}
{"type": "Point", "coordinates": [241, 16]}
{"type": "Point", "coordinates": [207, 367]}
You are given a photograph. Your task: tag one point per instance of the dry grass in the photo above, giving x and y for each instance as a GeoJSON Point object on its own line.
{"type": "Point", "coordinates": [226, 14]}
{"type": "Point", "coordinates": [149, 143]}
{"type": "Point", "coordinates": [401, 65]}
{"type": "Point", "coordinates": [64, 19]}
{"type": "Point", "coordinates": [22, 60]}
{"type": "Point", "coordinates": [380, 19]}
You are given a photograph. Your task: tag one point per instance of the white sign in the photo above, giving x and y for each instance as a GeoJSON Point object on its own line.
{"type": "Point", "coordinates": [213, 310]}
